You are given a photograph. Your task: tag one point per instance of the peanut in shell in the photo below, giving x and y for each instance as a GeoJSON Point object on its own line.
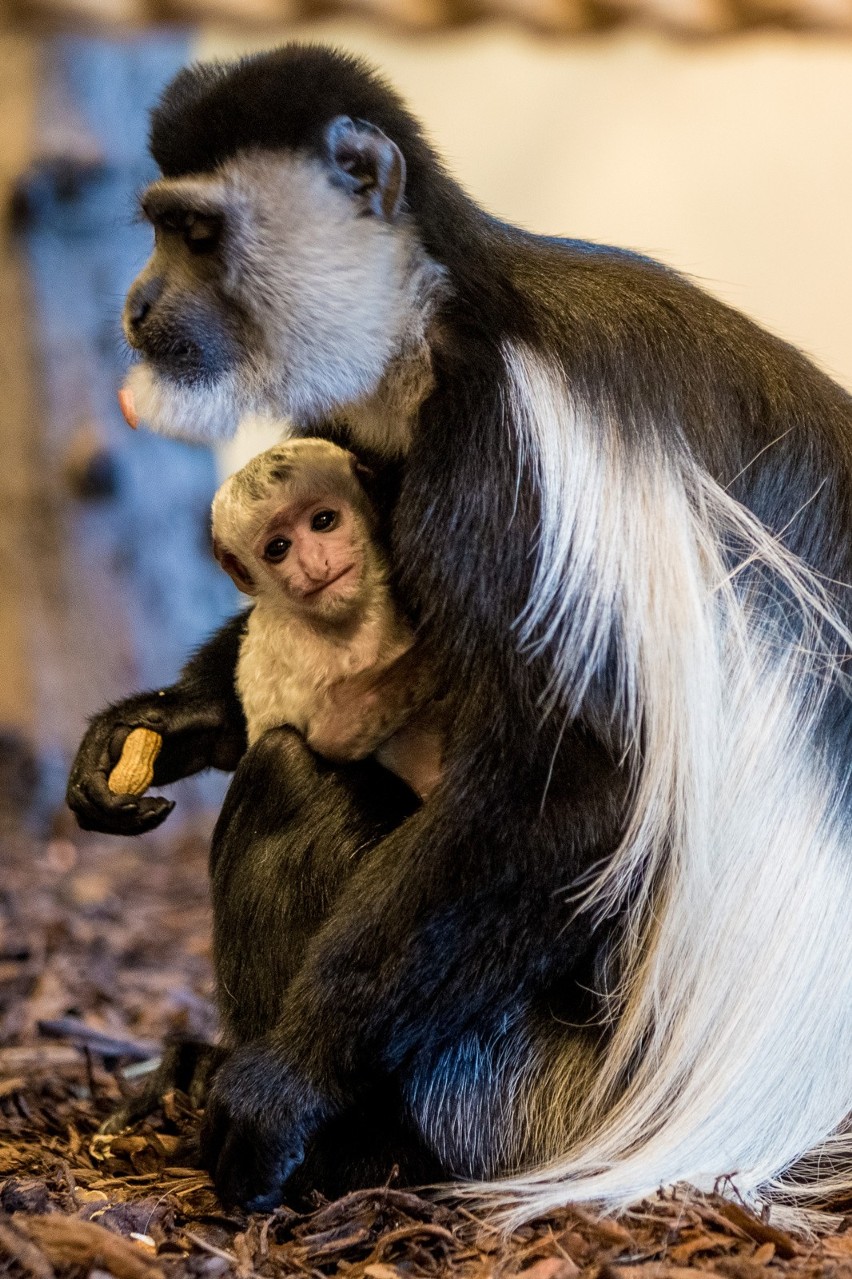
{"type": "Point", "coordinates": [134, 772]}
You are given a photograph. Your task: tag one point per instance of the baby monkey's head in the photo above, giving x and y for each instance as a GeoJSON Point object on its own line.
{"type": "Point", "coordinates": [296, 528]}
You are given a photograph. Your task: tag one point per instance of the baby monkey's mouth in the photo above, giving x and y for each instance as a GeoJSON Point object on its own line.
{"type": "Point", "coordinates": [318, 590]}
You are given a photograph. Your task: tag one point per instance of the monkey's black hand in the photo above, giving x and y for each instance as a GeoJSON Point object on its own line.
{"type": "Point", "coordinates": [202, 725]}
{"type": "Point", "coordinates": [186, 728]}
{"type": "Point", "coordinates": [258, 1119]}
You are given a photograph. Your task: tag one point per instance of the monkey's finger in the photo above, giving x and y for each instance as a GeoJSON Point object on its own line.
{"type": "Point", "coordinates": [97, 808]}
{"type": "Point", "coordinates": [151, 811]}
{"type": "Point", "coordinates": [126, 819]}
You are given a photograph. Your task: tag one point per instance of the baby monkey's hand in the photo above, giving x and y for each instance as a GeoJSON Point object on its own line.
{"type": "Point", "coordinates": [362, 711]}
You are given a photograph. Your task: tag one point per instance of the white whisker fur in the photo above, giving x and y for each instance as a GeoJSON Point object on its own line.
{"type": "Point", "coordinates": [731, 1040]}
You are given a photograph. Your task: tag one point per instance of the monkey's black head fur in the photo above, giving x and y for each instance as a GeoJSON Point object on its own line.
{"type": "Point", "coordinates": [284, 99]}
{"type": "Point", "coordinates": [278, 98]}
{"type": "Point", "coordinates": [281, 98]}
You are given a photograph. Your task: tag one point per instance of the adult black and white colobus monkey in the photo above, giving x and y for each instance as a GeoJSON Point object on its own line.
{"type": "Point", "coordinates": [624, 519]}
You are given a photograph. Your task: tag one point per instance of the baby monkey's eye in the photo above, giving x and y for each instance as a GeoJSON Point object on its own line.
{"type": "Point", "coordinates": [323, 521]}
{"type": "Point", "coordinates": [275, 550]}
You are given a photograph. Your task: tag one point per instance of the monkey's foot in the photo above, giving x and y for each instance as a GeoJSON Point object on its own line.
{"type": "Point", "coordinates": [187, 1066]}
{"type": "Point", "coordinates": [258, 1119]}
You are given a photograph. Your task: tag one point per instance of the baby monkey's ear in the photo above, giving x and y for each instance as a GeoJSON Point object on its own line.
{"type": "Point", "coordinates": [365, 475]}
{"type": "Point", "coordinates": [235, 569]}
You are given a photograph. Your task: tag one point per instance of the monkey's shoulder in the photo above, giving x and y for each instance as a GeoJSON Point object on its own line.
{"type": "Point", "coordinates": [630, 312]}
{"type": "Point", "coordinates": [583, 281]}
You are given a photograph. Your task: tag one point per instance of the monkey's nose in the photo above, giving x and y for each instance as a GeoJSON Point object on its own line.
{"type": "Point", "coordinates": [315, 569]}
{"type": "Point", "coordinates": [312, 578]}
{"type": "Point", "coordinates": [141, 300]}
{"type": "Point", "coordinates": [310, 584]}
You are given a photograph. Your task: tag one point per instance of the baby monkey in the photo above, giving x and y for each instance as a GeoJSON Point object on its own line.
{"type": "Point", "coordinates": [296, 530]}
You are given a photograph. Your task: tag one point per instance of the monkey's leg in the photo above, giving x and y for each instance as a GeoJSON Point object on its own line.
{"type": "Point", "coordinates": [292, 831]}
{"type": "Point", "coordinates": [365, 1146]}
{"type": "Point", "coordinates": [453, 922]}
{"type": "Point", "coordinates": [507, 1095]}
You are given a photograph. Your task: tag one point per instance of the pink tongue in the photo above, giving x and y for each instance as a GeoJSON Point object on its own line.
{"type": "Point", "coordinates": [128, 407]}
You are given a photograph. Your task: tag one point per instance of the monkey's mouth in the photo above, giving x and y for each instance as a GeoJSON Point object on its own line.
{"type": "Point", "coordinates": [332, 581]}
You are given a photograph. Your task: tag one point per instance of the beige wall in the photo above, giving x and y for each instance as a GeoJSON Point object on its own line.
{"type": "Point", "coordinates": [731, 160]}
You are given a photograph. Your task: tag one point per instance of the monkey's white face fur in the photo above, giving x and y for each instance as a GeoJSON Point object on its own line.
{"type": "Point", "coordinates": [310, 303]}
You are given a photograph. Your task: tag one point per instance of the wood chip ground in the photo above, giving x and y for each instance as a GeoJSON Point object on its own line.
{"type": "Point", "coordinates": [105, 949]}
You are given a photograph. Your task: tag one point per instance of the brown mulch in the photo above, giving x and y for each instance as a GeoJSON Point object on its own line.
{"type": "Point", "coordinates": [104, 950]}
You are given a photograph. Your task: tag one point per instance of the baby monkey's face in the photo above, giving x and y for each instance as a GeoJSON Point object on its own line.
{"type": "Point", "coordinates": [295, 528]}
{"type": "Point", "coordinates": [313, 553]}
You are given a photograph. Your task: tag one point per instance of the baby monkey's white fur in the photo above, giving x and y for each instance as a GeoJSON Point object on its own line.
{"type": "Point", "coordinates": [299, 650]}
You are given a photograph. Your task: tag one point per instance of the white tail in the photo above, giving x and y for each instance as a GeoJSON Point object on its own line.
{"type": "Point", "coordinates": [731, 1048]}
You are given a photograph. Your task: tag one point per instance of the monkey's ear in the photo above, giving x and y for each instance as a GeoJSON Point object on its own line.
{"type": "Point", "coordinates": [367, 163]}
{"type": "Point", "coordinates": [235, 569]}
{"type": "Point", "coordinates": [363, 474]}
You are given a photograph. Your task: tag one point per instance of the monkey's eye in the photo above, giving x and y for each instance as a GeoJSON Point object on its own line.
{"type": "Point", "coordinates": [201, 233]}
{"type": "Point", "coordinates": [323, 521]}
{"type": "Point", "coordinates": [275, 550]}
{"type": "Point", "coordinates": [166, 221]}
